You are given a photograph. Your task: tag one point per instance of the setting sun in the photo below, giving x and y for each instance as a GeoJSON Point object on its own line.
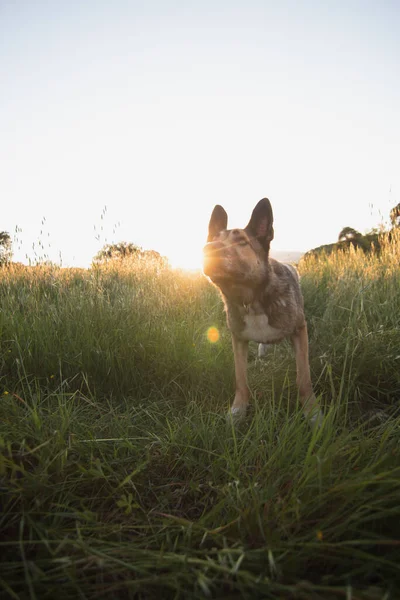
{"type": "Point", "coordinates": [190, 259]}
{"type": "Point", "coordinates": [184, 249]}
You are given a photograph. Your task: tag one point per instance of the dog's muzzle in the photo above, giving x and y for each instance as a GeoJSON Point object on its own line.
{"type": "Point", "coordinates": [213, 254]}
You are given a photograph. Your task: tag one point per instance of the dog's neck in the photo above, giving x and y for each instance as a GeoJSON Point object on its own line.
{"type": "Point", "coordinates": [242, 296]}
{"type": "Point", "coordinates": [249, 298]}
{"type": "Point", "coordinates": [245, 294]}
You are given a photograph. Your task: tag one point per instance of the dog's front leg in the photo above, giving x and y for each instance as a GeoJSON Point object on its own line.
{"type": "Point", "coordinates": [303, 380]}
{"type": "Point", "coordinates": [240, 351]}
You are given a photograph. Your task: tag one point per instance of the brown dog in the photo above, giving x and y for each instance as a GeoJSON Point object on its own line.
{"type": "Point", "coordinates": [262, 297]}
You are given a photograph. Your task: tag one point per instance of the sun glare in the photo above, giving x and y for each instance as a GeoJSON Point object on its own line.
{"type": "Point", "coordinates": [189, 260]}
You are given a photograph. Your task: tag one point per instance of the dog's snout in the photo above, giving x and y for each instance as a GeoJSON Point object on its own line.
{"type": "Point", "coordinates": [212, 248]}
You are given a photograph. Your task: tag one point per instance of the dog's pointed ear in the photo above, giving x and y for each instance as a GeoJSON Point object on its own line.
{"type": "Point", "coordinates": [261, 223]}
{"type": "Point", "coordinates": [218, 222]}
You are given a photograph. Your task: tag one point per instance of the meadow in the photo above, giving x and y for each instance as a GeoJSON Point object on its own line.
{"type": "Point", "coordinates": [120, 476]}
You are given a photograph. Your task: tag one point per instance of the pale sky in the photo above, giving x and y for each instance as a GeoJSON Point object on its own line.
{"type": "Point", "coordinates": [159, 110]}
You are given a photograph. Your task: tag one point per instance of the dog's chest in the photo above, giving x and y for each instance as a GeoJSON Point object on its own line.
{"type": "Point", "coordinates": [257, 329]}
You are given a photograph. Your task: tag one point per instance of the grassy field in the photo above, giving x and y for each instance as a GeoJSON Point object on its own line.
{"type": "Point", "coordinates": [120, 476]}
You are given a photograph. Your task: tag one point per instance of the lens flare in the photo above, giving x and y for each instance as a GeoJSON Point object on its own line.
{"type": "Point", "coordinates": [213, 335]}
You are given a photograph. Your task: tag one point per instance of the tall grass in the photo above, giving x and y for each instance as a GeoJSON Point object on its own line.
{"type": "Point", "coordinates": [120, 477]}
{"type": "Point", "coordinates": [353, 310]}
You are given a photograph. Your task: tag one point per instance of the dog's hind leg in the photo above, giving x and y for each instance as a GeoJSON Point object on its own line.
{"type": "Point", "coordinates": [303, 380]}
{"type": "Point", "coordinates": [240, 351]}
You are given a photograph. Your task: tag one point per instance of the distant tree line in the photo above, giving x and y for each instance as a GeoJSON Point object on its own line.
{"type": "Point", "coordinates": [5, 248]}
{"type": "Point", "coordinates": [125, 250]}
{"type": "Point", "coordinates": [349, 236]}
{"type": "Point", "coordinates": [395, 216]}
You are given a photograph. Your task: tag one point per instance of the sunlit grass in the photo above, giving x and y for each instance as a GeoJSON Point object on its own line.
{"type": "Point", "coordinates": [120, 476]}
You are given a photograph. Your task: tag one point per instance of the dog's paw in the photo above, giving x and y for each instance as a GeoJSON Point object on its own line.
{"type": "Point", "coordinates": [236, 413]}
{"type": "Point", "coordinates": [263, 349]}
{"type": "Point", "coordinates": [316, 419]}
